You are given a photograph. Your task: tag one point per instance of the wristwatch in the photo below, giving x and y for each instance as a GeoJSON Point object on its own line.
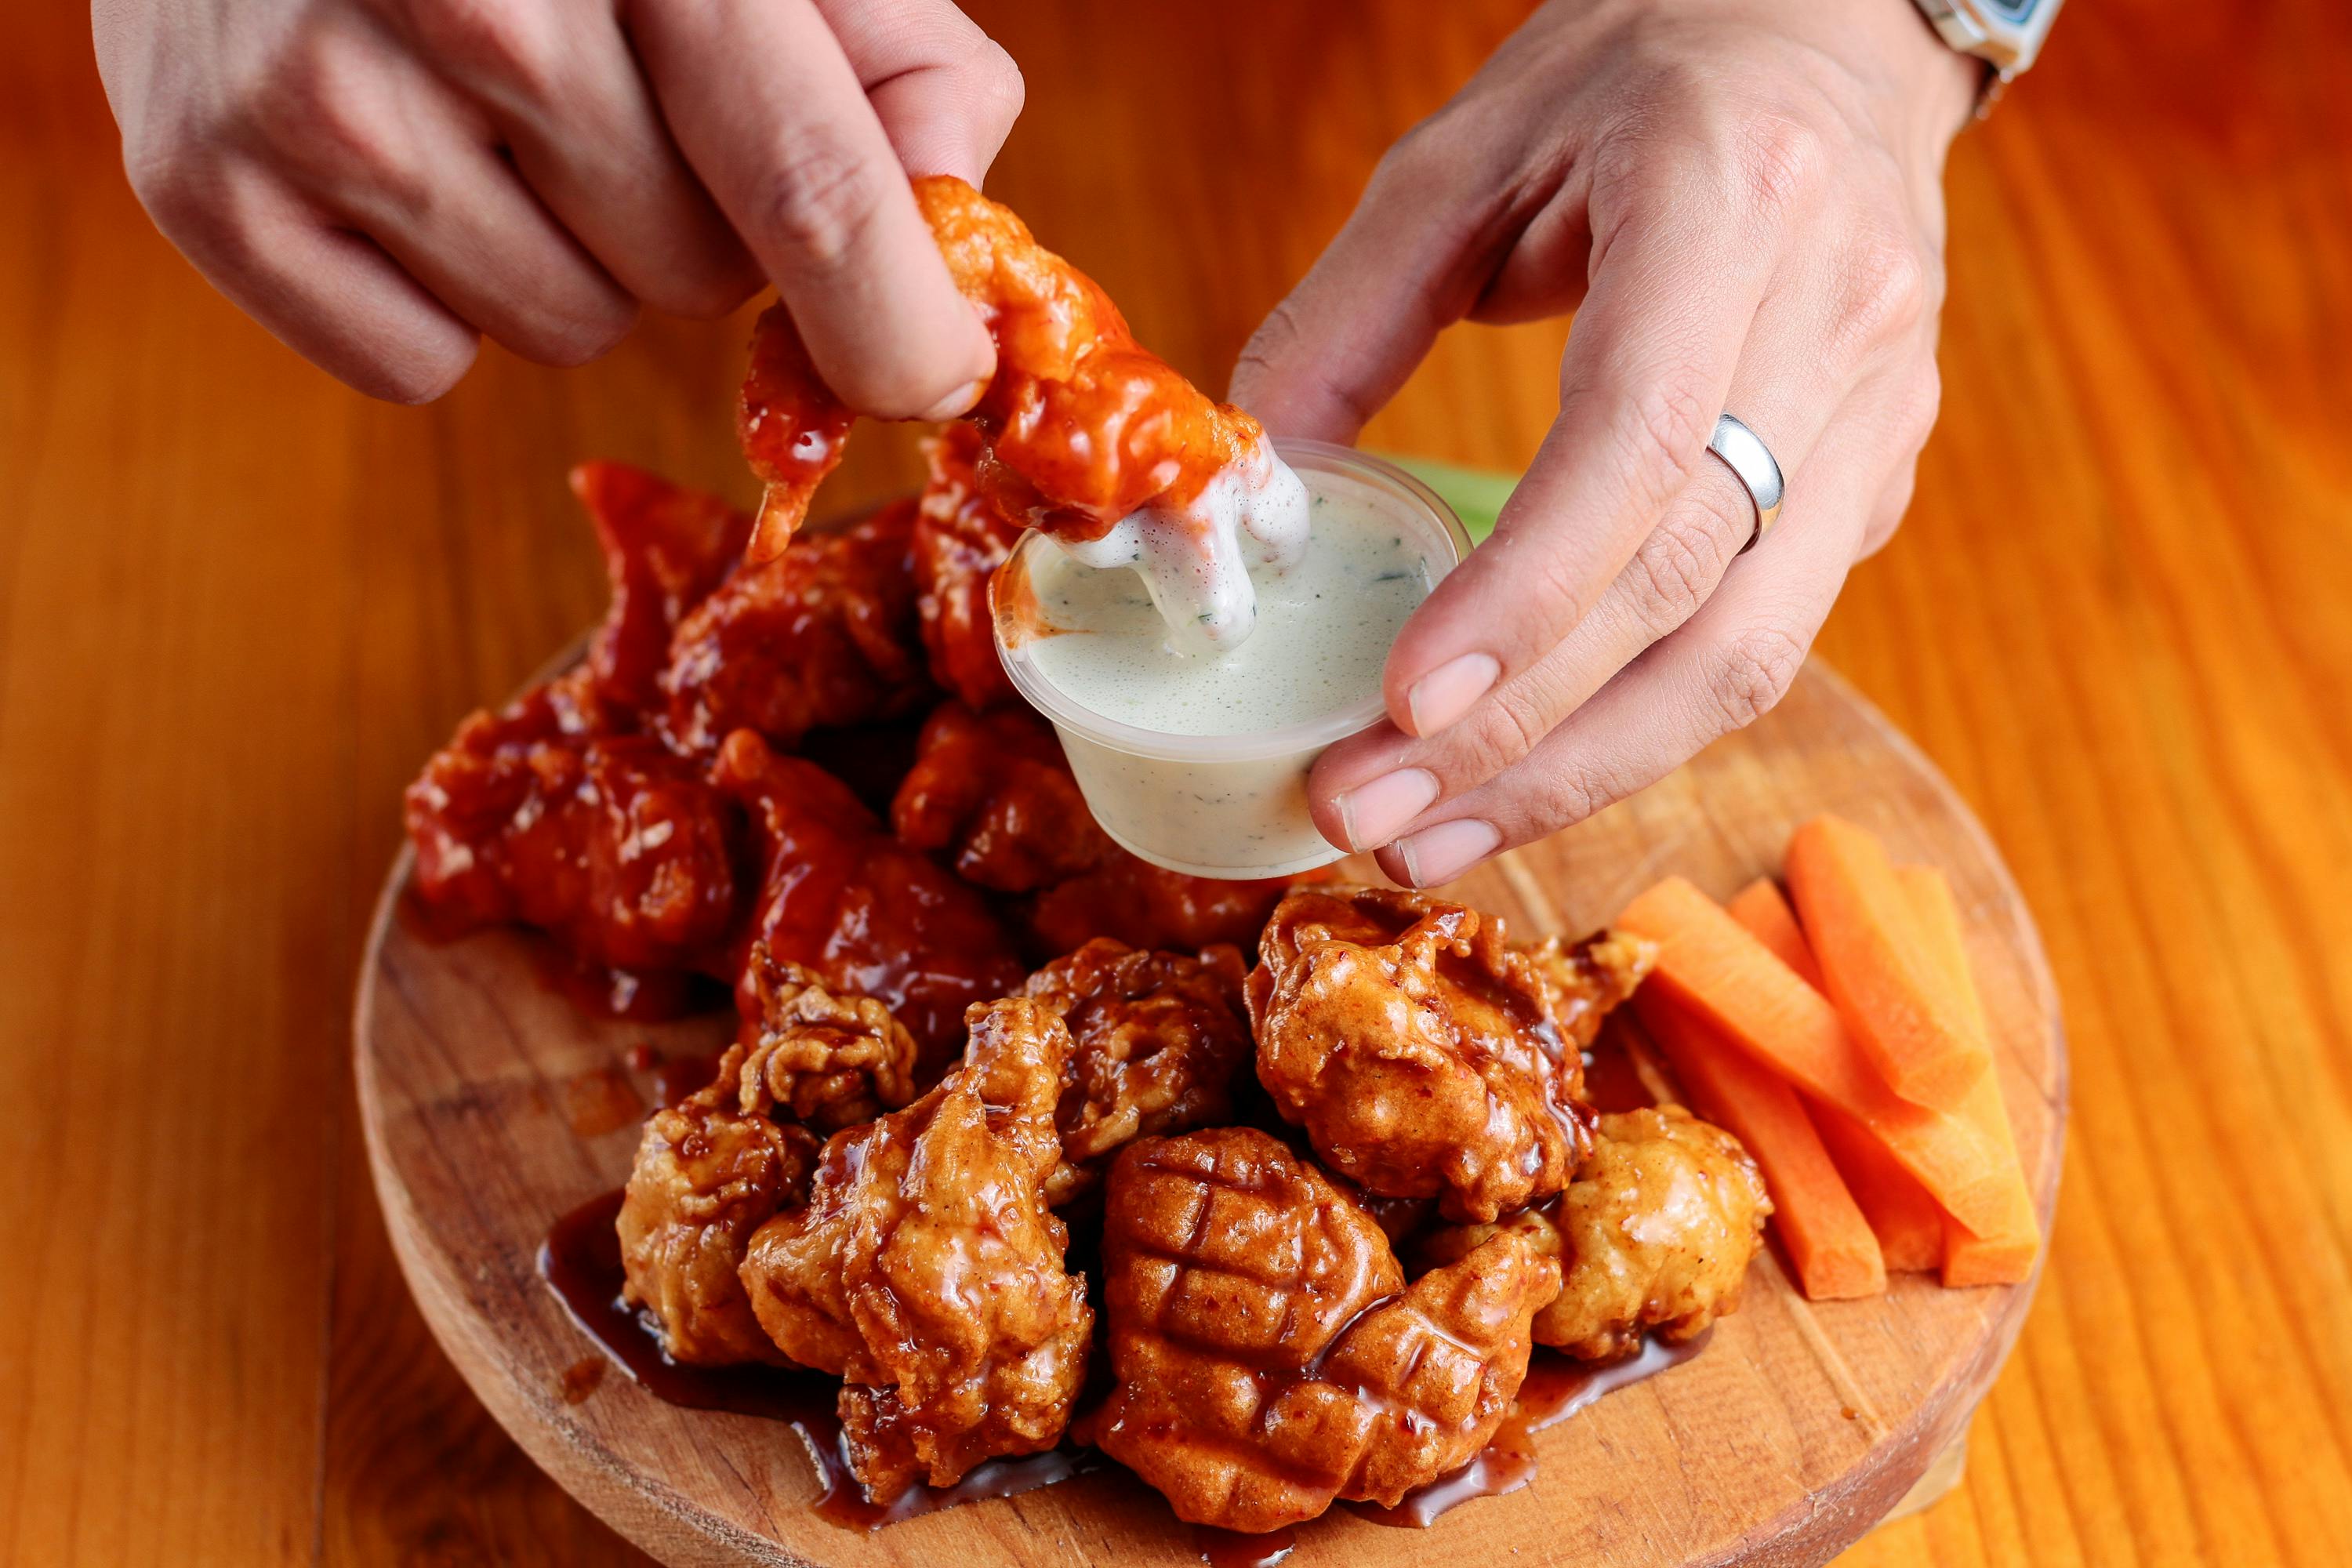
{"type": "Point", "coordinates": [2004, 34]}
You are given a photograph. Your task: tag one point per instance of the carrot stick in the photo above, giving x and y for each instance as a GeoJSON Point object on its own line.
{"type": "Point", "coordinates": [1824, 1233]}
{"type": "Point", "coordinates": [1892, 989]}
{"type": "Point", "coordinates": [1907, 1223]}
{"type": "Point", "coordinates": [1708, 961]}
{"type": "Point", "coordinates": [1764, 910]}
{"type": "Point", "coordinates": [2002, 1250]}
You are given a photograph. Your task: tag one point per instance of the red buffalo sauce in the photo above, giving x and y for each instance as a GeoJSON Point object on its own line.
{"type": "Point", "coordinates": [580, 1261]}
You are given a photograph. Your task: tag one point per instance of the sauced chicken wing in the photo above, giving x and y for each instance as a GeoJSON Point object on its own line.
{"type": "Point", "coordinates": [709, 1173]}
{"type": "Point", "coordinates": [666, 548]}
{"type": "Point", "coordinates": [823, 634]}
{"type": "Point", "coordinates": [927, 1272]}
{"type": "Point", "coordinates": [554, 811]}
{"type": "Point", "coordinates": [1587, 980]}
{"type": "Point", "coordinates": [1084, 426]}
{"type": "Point", "coordinates": [1157, 1039]}
{"type": "Point", "coordinates": [825, 1060]}
{"type": "Point", "coordinates": [866, 913]}
{"type": "Point", "coordinates": [1655, 1233]}
{"type": "Point", "coordinates": [617, 848]}
{"type": "Point", "coordinates": [1269, 1357]}
{"type": "Point", "coordinates": [1145, 905]}
{"type": "Point", "coordinates": [993, 791]}
{"type": "Point", "coordinates": [960, 539]}
{"type": "Point", "coordinates": [1417, 1048]}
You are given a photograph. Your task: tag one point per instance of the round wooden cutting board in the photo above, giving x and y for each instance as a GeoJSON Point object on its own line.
{"type": "Point", "coordinates": [492, 1105]}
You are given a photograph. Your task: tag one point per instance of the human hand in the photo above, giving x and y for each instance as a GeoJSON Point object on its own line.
{"type": "Point", "coordinates": [380, 182]}
{"type": "Point", "coordinates": [1742, 201]}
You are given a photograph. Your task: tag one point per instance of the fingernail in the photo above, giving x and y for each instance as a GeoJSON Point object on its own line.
{"type": "Point", "coordinates": [1372, 814]}
{"type": "Point", "coordinates": [1442, 853]}
{"type": "Point", "coordinates": [956, 404]}
{"type": "Point", "coordinates": [1448, 692]}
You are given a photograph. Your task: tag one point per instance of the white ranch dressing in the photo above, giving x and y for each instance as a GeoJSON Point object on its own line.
{"type": "Point", "coordinates": [1324, 626]}
{"type": "Point", "coordinates": [1199, 562]}
{"type": "Point", "coordinates": [1198, 761]}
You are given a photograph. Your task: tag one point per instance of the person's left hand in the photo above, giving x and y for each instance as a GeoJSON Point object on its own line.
{"type": "Point", "coordinates": [1742, 201]}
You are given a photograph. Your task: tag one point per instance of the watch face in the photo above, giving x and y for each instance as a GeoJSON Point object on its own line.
{"type": "Point", "coordinates": [2013, 10]}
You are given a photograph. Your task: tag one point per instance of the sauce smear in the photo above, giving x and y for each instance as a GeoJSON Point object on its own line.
{"type": "Point", "coordinates": [1557, 1388]}
{"type": "Point", "coordinates": [580, 1261]}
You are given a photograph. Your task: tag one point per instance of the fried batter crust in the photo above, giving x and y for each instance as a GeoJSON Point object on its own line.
{"type": "Point", "coordinates": [823, 1059]}
{"type": "Point", "coordinates": [1656, 1233]}
{"type": "Point", "coordinates": [1587, 980]}
{"type": "Point", "coordinates": [927, 1271]}
{"type": "Point", "coordinates": [1270, 1358]}
{"type": "Point", "coordinates": [1417, 1047]}
{"type": "Point", "coordinates": [870, 915]}
{"type": "Point", "coordinates": [1158, 1039]}
{"type": "Point", "coordinates": [710, 1171]}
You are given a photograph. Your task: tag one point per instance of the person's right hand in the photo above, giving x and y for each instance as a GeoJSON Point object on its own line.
{"type": "Point", "coordinates": [380, 182]}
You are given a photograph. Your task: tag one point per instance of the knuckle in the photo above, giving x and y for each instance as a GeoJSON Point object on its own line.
{"type": "Point", "coordinates": [1781, 163]}
{"type": "Point", "coordinates": [497, 39]}
{"type": "Point", "coordinates": [997, 76]}
{"type": "Point", "coordinates": [1566, 794]}
{"type": "Point", "coordinates": [1661, 432]}
{"type": "Point", "coordinates": [1886, 288]}
{"type": "Point", "coordinates": [316, 106]}
{"type": "Point", "coordinates": [1516, 723]}
{"type": "Point", "coordinates": [168, 180]}
{"type": "Point", "coordinates": [1887, 515]}
{"type": "Point", "coordinates": [1751, 673]}
{"type": "Point", "coordinates": [821, 199]}
{"type": "Point", "coordinates": [1916, 418]}
{"type": "Point", "coordinates": [1679, 564]}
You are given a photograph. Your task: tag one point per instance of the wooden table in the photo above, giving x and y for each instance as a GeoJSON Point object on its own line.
{"type": "Point", "coordinates": [238, 605]}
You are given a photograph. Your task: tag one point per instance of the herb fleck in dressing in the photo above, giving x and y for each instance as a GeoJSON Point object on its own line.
{"type": "Point", "coordinates": [1198, 761]}
{"type": "Point", "coordinates": [1324, 627]}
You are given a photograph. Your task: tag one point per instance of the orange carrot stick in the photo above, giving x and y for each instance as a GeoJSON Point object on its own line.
{"type": "Point", "coordinates": [1708, 961]}
{"type": "Point", "coordinates": [1907, 1223]}
{"type": "Point", "coordinates": [1824, 1233]}
{"type": "Point", "coordinates": [2001, 1251]}
{"type": "Point", "coordinates": [1764, 910]}
{"type": "Point", "coordinates": [1887, 983]}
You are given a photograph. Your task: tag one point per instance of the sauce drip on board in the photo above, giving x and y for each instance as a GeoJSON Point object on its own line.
{"type": "Point", "coordinates": [1557, 1388]}
{"type": "Point", "coordinates": [580, 1261]}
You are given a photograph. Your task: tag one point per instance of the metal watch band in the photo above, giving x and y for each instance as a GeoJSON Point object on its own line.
{"type": "Point", "coordinates": [2005, 34]}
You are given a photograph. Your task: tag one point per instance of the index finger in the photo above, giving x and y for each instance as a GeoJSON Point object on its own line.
{"type": "Point", "coordinates": [1674, 287]}
{"type": "Point", "coordinates": [770, 112]}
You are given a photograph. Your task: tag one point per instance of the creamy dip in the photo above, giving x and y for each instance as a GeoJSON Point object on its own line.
{"type": "Point", "coordinates": [1324, 626]}
{"type": "Point", "coordinates": [1200, 560]}
{"type": "Point", "coordinates": [1198, 761]}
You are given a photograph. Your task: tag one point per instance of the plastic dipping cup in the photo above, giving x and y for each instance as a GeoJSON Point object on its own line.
{"type": "Point", "coordinates": [1234, 805]}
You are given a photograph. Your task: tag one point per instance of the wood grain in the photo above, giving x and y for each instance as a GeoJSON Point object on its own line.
{"type": "Point", "coordinates": [1796, 1429]}
{"type": "Point", "coordinates": [237, 605]}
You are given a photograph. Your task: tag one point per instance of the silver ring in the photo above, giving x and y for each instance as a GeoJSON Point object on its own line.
{"type": "Point", "coordinates": [1745, 454]}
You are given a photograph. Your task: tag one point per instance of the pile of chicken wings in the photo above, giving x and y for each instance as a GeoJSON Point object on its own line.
{"type": "Point", "coordinates": [1325, 1149]}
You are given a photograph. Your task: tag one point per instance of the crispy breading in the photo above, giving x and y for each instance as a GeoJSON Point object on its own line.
{"type": "Point", "coordinates": [1417, 1047]}
{"type": "Point", "coordinates": [927, 1271]}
